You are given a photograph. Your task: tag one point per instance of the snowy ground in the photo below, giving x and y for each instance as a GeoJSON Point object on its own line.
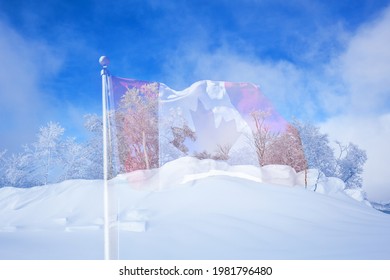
{"type": "Point", "coordinates": [191, 209]}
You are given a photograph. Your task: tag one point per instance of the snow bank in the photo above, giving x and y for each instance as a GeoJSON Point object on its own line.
{"type": "Point", "coordinates": [192, 169]}
{"type": "Point", "coordinates": [279, 174]}
{"type": "Point", "coordinates": [68, 205]}
{"type": "Point", "coordinates": [195, 209]}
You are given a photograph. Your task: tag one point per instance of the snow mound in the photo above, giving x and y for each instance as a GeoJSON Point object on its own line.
{"type": "Point", "coordinates": [63, 205]}
{"type": "Point", "coordinates": [195, 209]}
{"type": "Point", "coordinates": [279, 174]}
{"type": "Point", "coordinates": [192, 169]}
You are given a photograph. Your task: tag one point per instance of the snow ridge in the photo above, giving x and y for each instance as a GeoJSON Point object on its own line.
{"type": "Point", "coordinates": [195, 209]}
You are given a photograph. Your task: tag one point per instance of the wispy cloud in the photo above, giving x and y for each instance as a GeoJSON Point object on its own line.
{"type": "Point", "coordinates": [24, 64]}
{"type": "Point", "coordinates": [348, 92]}
{"type": "Point", "coordinates": [43, 78]}
{"type": "Point", "coordinates": [291, 88]}
{"type": "Point", "coordinates": [364, 70]}
{"type": "Point", "coordinates": [365, 66]}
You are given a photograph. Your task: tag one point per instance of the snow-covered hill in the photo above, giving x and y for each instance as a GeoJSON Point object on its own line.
{"type": "Point", "coordinates": [193, 209]}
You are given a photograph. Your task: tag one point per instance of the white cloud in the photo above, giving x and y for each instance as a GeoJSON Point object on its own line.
{"type": "Point", "coordinates": [284, 83]}
{"type": "Point", "coordinates": [24, 65]}
{"type": "Point", "coordinates": [364, 70]}
{"type": "Point", "coordinates": [352, 91]}
{"type": "Point", "coordinates": [365, 66]}
{"type": "Point", "coordinates": [372, 134]}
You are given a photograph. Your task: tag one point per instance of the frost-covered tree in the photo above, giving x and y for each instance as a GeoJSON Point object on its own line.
{"type": "Point", "coordinates": [74, 160]}
{"type": "Point", "coordinates": [20, 171]}
{"type": "Point", "coordinates": [2, 167]}
{"type": "Point", "coordinates": [51, 159]}
{"type": "Point", "coordinates": [350, 165]}
{"type": "Point", "coordinates": [347, 165]}
{"type": "Point", "coordinates": [14, 174]}
{"type": "Point", "coordinates": [318, 153]}
{"type": "Point", "coordinates": [93, 148]}
{"type": "Point", "coordinates": [47, 151]}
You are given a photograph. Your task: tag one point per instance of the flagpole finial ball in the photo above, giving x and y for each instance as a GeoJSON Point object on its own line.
{"type": "Point", "coordinates": [104, 61]}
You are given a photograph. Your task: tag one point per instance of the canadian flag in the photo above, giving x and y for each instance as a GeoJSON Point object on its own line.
{"type": "Point", "coordinates": [151, 124]}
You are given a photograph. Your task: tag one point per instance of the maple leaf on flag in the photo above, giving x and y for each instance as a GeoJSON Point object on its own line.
{"type": "Point", "coordinates": [211, 137]}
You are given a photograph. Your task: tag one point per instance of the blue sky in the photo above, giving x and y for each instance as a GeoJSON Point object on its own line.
{"type": "Point", "coordinates": [322, 61]}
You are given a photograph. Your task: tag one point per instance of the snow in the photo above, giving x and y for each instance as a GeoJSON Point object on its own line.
{"type": "Point", "coordinates": [196, 209]}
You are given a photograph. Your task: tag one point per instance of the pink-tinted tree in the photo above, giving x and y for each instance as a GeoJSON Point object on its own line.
{"type": "Point", "coordinates": [262, 134]}
{"type": "Point", "coordinates": [274, 145]}
{"type": "Point", "coordinates": [286, 149]}
{"type": "Point", "coordinates": [137, 128]}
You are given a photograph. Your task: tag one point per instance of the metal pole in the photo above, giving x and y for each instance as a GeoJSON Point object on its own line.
{"type": "Point", "coordinates": [104, 62]}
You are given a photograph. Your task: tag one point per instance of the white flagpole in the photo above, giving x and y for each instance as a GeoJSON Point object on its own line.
{"type": "Point", "coordinates": [109, 251]}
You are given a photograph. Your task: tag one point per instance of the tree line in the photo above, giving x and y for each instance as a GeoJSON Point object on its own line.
{"type": "Point", "coordinates": [52, 158]}
{"type": "Point", "coordinates": [141, 142]}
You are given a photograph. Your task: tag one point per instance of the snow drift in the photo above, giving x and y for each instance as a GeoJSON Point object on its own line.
{"type": "Point", "coordinates": [195, 209]}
